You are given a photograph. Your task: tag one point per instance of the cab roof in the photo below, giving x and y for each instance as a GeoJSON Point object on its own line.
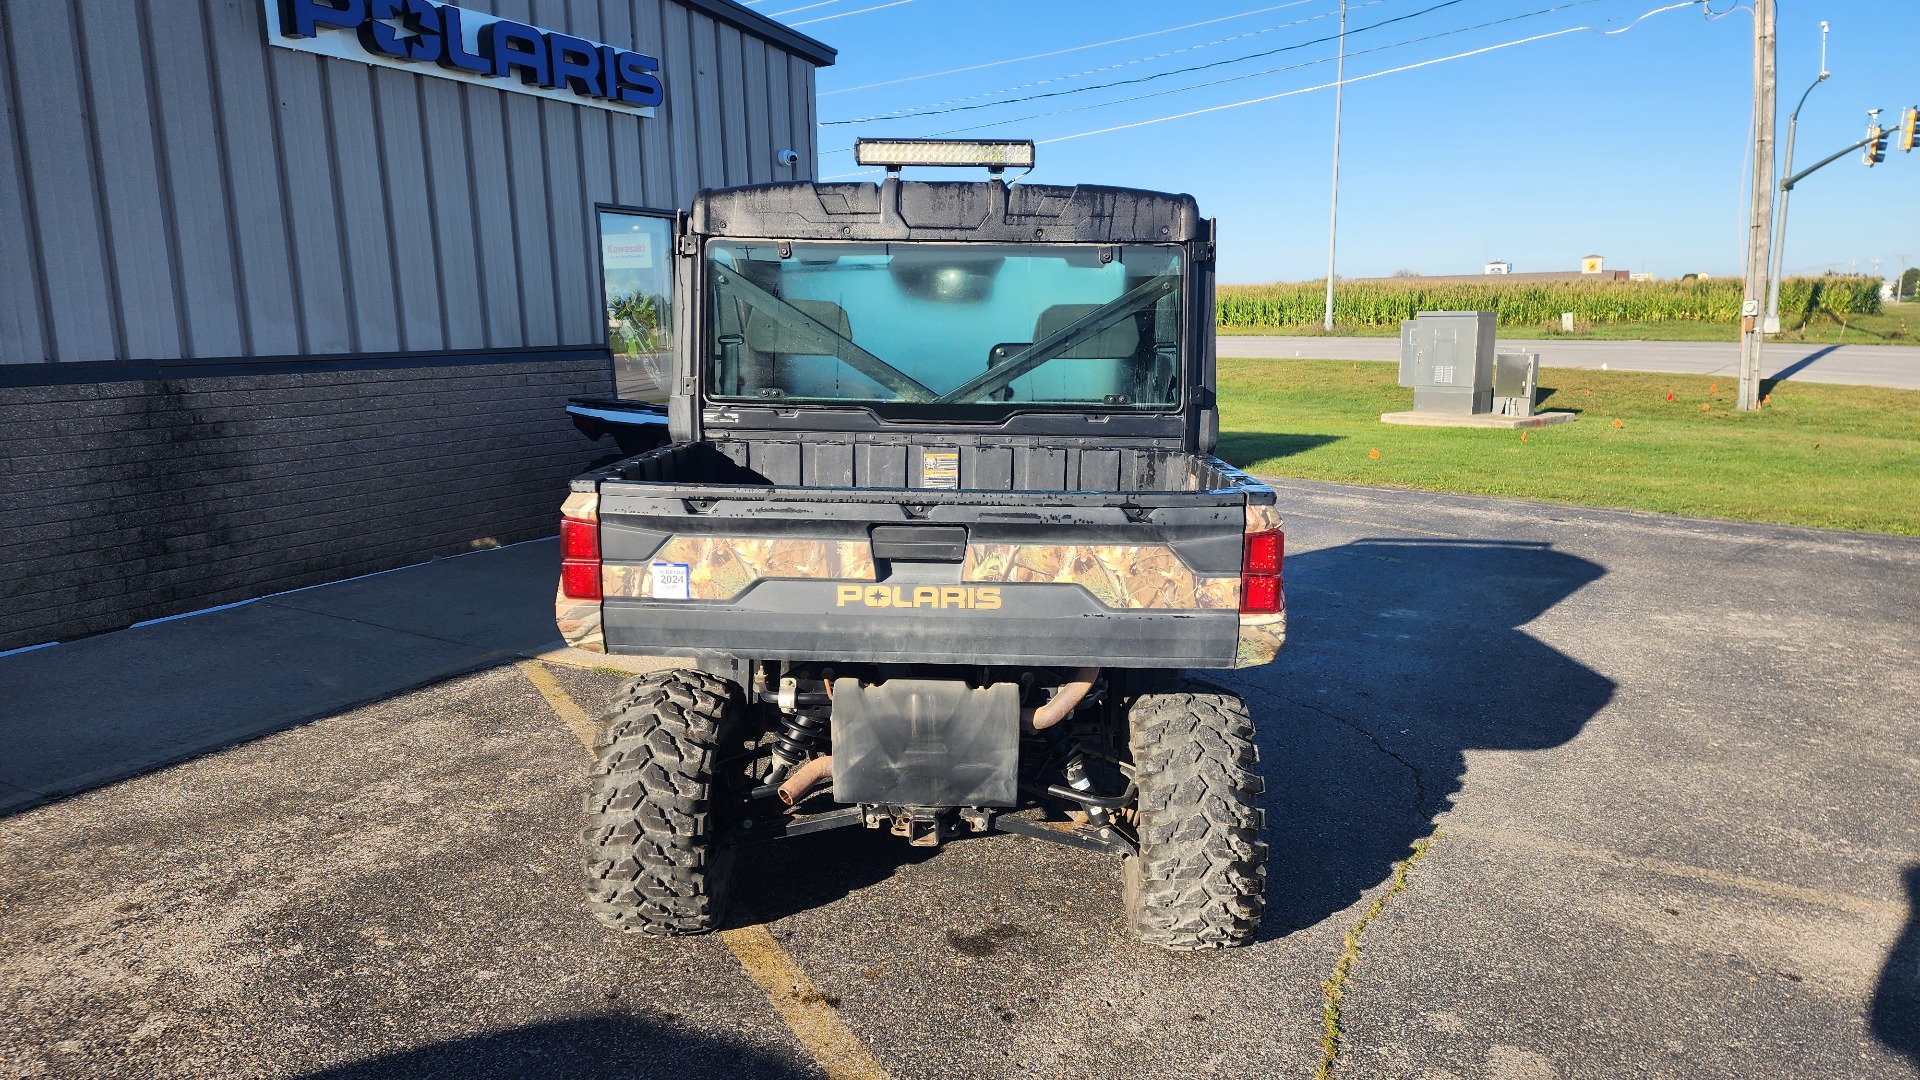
{"type": "Point", "coordinates": [993, 211]}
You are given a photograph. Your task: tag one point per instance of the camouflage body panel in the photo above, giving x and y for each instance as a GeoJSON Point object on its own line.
{"type": "Point", "coordinates": [723, 567]}
{"type": "Point", "coordinates": [1262, 635]}
{"type": "Point", "coordinates": [1260, 639]}
{"type": "Point", "coordinates": [1262, 518]}
{"type": "Point", "coordinates": [1119, 576]}
{"type": "Point", "coordinates": [579, 620]}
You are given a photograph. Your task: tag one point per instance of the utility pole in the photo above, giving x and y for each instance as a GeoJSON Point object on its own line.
{"type": "Point", "coordinates": [1780, 226]}
{"type": "Point", "coordinates": [1752, 330]}
{"type": "Point", "coordinates": [1333, 210]}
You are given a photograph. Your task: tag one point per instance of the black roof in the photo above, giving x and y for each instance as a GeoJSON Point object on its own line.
{"type": "Point", "coordinates": [777, 34]}
{"type": "Point", "coordinates": [949, 210]}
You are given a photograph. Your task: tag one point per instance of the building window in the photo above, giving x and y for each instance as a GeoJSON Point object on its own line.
{"type": "Point", "coordinates": [636, 273]}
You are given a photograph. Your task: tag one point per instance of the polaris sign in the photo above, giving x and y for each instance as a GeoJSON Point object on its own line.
{"type": "Point", "coordinates": [455, 43]}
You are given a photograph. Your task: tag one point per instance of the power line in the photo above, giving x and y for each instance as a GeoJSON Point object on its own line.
{"type": "Point", "coordinates": [1247, 75]}
{"type": "Point", "coordinates": [1063, 52]}
{"type": "Point", "coordinates": [1363, 78]}
{"type": "Point", "coordinates": [805, 7]}
{"type": "Point", "coordinates": [1174, 71]}
{"type": "Point", "coordinates": [844, 14]}
{"type": "Point", "coordinates": [921, 110]}
{"type": "Point", "coordinates": [1327, 86]}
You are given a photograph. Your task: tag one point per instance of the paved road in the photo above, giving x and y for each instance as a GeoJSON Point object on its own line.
{"type": "Point", "coordinates": [1672, 765]}
{"type": "Point", "coordinates": [1855, 365]}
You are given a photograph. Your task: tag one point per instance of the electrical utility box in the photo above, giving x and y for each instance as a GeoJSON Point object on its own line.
{"type": "Point", "coordinates": [1516, 381]}
{"type": "Point", "coordinates": [1447, 358]}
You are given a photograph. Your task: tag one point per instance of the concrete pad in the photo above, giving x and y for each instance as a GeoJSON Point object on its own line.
{"type": "Point", "coordinates": [96, 710]}
{"type": "Point", "coordinates": [100, 709]}
{"type": "Point", "coordinates": [500, 599]}
{"type": "Point", "coordinates": [1480, 420]}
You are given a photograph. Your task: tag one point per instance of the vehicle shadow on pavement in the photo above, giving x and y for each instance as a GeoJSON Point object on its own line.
{"type": "Point", "coordinates": [786, 877]}
{"type": "Point", "coordinates": [1402, 655]}
{"type": "Point", "coordinates": [1243, 448]}
{"type": "Point", "coordinates": [1895, 1014]}
{"type": "Point", "coordinates": [600, 1045]}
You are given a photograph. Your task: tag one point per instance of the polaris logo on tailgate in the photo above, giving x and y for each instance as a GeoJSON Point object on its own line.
{"type": "Point", "coordinates": [918, 596]}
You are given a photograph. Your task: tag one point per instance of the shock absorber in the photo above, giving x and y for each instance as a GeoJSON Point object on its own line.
{"type": "Point", "coordinates": [805, 727]}
{"type": "Point", "coordinates": [801, 735]}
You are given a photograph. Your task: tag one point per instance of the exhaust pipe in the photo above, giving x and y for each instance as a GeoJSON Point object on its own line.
{"type": "Point", "coordinates": [801, 780]}
{"type": "Point", "coordinates": [1064, 700]}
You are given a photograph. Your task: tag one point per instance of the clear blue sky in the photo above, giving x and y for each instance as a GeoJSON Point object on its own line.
{"type": "Point", "coordinates": [1630, 145]}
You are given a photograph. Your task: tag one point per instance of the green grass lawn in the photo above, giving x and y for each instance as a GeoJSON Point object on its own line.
{"type": "Point", "coordinates": [1843, 457]}
{"type": "Point", "coordinates": [1896, 324]}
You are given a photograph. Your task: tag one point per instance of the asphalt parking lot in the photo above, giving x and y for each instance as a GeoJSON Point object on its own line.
{"type": "Point", "coordinates": [1663, 776]}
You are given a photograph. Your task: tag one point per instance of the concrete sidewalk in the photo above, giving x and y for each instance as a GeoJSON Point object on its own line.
{"type": "Point", "coordinates": [89, 712]}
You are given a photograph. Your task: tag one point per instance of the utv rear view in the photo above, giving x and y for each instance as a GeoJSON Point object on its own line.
{"type": "Point", "coordinates": [939, 524]}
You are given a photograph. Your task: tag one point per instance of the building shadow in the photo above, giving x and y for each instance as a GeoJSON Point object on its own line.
{"type": "Point", "coordinates": [1402, 656]}
{"type": "Point", "coordinates": [580, 1048]}
{"type": "Point", "coordinates": [1895, 1012]}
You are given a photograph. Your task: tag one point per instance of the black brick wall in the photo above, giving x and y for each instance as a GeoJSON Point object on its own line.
{"type": "Point", "coordinates": [125, 501]}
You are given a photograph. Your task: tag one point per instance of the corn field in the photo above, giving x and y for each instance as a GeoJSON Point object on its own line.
{"type": "Point", "coordinates": [1385, 303]}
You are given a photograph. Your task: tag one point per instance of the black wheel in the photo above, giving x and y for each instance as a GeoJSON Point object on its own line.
{"type": "Point", "coordinates": [651, 860]}
{"type": "Point", "coordinates": [1200, 879]}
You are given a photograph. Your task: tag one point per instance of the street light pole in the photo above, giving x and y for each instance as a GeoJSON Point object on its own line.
{"type": "Point", "coordinates": [1780, 226]}
{"type": "Point", "coordinates": [1333, 210]}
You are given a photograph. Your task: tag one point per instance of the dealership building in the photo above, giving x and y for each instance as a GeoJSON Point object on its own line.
{"type": "Point", "coordinates": [296, 290]}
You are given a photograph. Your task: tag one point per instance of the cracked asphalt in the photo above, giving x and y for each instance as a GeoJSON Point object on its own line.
{"type": "Point", "coordinates": [1670, 767]}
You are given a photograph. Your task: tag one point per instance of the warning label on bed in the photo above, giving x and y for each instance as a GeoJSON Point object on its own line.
{"type": "Point", "coordinates": [940, 469]}
{"type": "Point", "coordinates": [669, 580]}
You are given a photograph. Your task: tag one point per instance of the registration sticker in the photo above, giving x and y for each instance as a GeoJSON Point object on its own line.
{"type": "Point", "coordinates": [940, 469]}
{"type": "Point", "coordinates": [669, 580]}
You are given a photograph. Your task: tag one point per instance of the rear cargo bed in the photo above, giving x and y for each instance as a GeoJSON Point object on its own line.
{"type": "Point", "coordinates": [927, 549]}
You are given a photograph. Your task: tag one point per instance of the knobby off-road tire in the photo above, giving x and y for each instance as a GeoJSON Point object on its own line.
{"type": "Point", "coordinates": [651, 860]}
{"type": "Point", "coordinates": [1200, 880]}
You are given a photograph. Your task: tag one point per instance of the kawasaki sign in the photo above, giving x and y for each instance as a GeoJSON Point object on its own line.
{"type": "Point", "coordinates": [455, 43]}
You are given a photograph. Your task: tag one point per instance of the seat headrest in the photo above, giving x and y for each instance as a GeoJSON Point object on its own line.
{"type": "Point", "coordinates": [765, 335]}
{"type": "Point", "coordinates": [1122, 339]}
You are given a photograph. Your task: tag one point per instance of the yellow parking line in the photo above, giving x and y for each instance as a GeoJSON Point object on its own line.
{"type": "Point", "coordinates": [813, 1019]}
{"type": "Point", "coordinates": [568, 710]}
{"type": "Point", "coordinates": [806, 1010]}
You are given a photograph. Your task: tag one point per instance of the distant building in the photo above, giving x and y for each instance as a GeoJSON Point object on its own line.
{"type": "Point", "coordinates": [1499, 266]}
{"type": "Point", "coordinates": [1593, 264]}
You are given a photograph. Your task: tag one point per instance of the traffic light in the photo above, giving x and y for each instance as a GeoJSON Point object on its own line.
{"type": "Point", "coordinates": [1909, 129]}
{"type": "Point", "coordinates": [1876, 146]}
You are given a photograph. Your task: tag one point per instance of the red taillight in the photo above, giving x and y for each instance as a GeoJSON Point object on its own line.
{"type": "Point", "coordinates": [579, 539]}
{"type": "Point", "coordinates": [1260, 572]}
{"type": "Point", "coordinates": [580, 559]}
{"type": "Point", "coordinates": [1260, 595]}
{"type": "Point", "coordinates": [1264, 552]}
{"type": "Point", "coordinates": [580, 580]}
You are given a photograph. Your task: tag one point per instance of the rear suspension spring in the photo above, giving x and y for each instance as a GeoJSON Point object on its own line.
{"type": "Point", "coordinates": [802, 734]}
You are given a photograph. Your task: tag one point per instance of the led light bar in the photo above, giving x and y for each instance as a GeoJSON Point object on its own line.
{"type": "Point", "coordinates": [995, 154]}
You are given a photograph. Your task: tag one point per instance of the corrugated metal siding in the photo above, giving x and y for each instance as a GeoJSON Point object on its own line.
{"type": "Point", "coordinates": [171, 187]}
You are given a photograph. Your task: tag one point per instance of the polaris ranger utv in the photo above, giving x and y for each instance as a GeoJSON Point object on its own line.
{"type": "Point", "coordinates": [938, 521]}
